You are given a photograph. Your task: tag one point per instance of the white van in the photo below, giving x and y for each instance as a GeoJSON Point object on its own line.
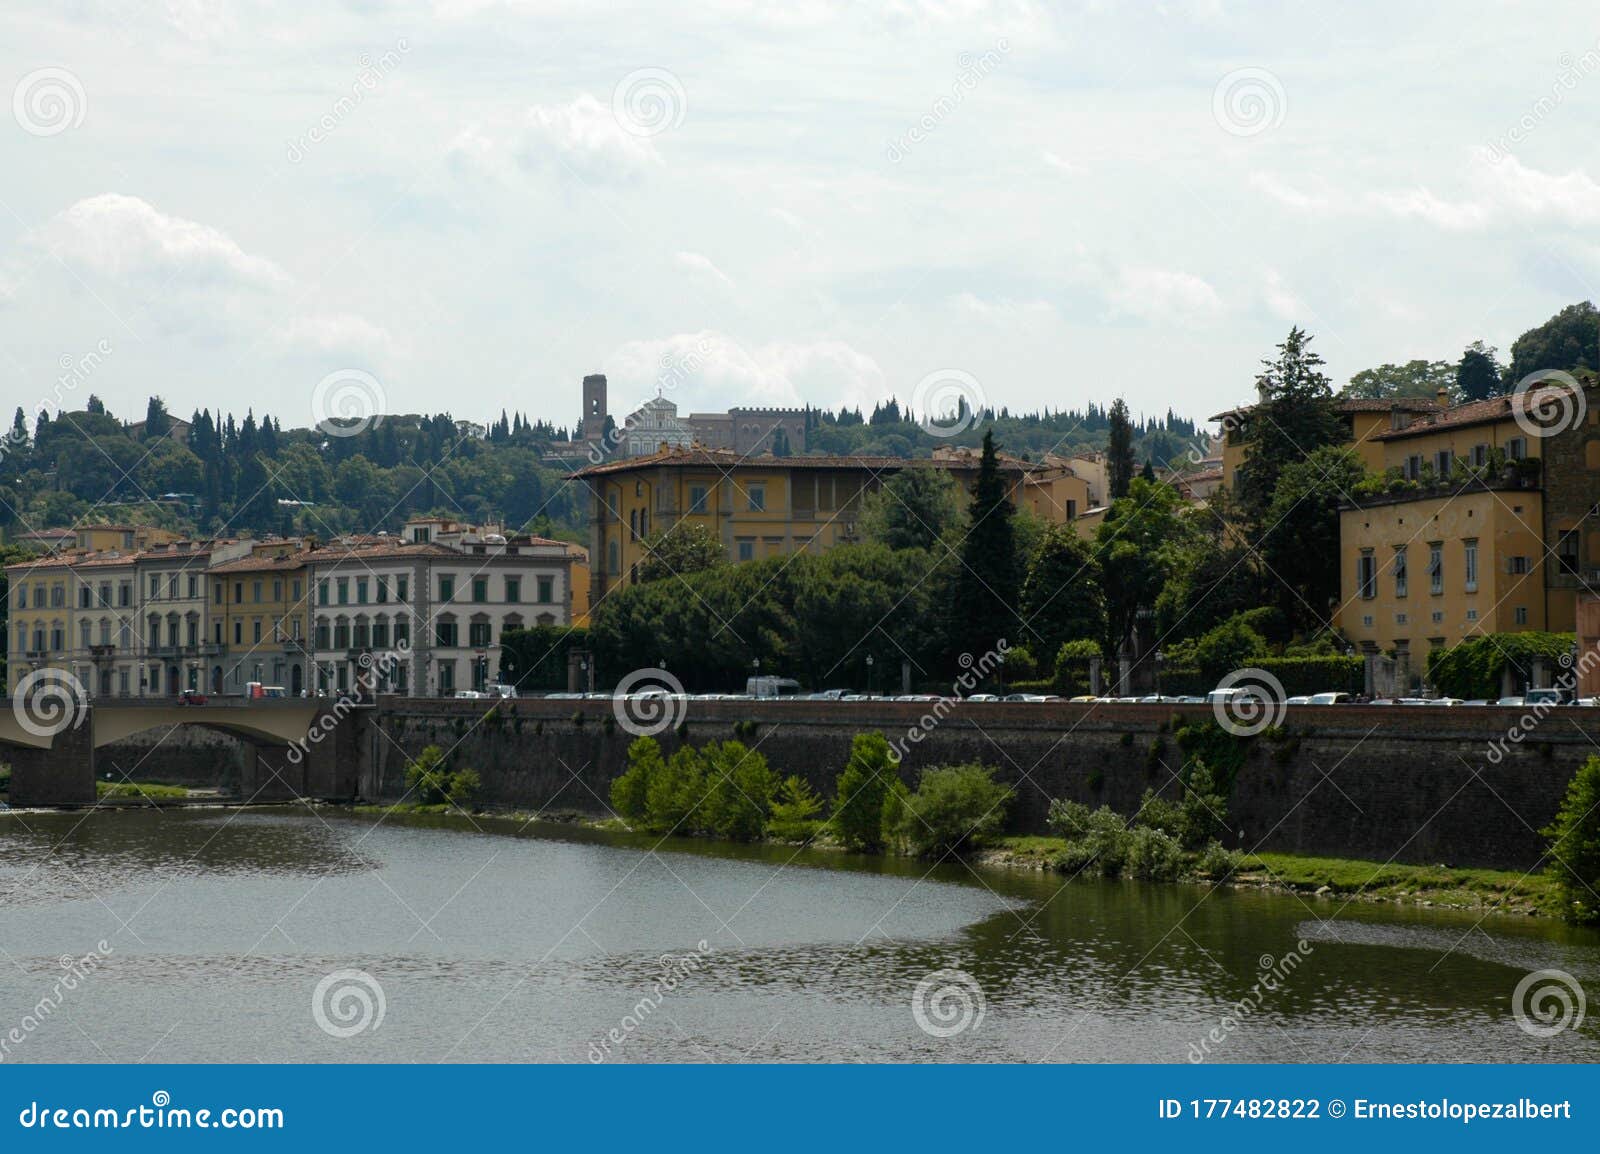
{"type": "Point", "coordinates": [769, 688]}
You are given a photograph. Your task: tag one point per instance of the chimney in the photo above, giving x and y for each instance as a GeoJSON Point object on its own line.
{"type": "Point", "coordinates": [1444, 397]}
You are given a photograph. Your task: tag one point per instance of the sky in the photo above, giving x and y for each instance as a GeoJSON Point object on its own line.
{"type": "Point", "coordinates": [466, 205]}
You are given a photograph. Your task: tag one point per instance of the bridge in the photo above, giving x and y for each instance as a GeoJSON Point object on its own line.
{"type": "Point", "coordinates": [301, 747]}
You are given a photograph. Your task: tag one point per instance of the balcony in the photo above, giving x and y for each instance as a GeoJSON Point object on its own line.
{"type": "Point", "coordinates": [102, 652]}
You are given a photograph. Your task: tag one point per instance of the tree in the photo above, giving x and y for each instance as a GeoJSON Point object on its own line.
{"type": "Point", "coordinates": [860, 792]}
{"type": "Point", "coordinates": [982, 609]}
{"type": "Point", "coordinates": [1295, 417]}
{"type": "Point", "coordinates": [687, 547]}
{"type": "Point", "coordinates": [1414, 380]}
{"type": "Point", "coordinates": [1574, 839]}
{"type": "Point", "coordinates": [630, 793]}
{"type": "Point", "coordinates": [432, 783]}
{"type": "Point", "coordinates": [1478, 374]}
{"type": "Point", "coordinates": [917, 508]}
{"type": "Point", "coordinates": [157, 423]}
{"type": "Point", "coordinates": [1148, 472]}
{"type": "Point", "coordinates": [739, 789]}
{"type": "Point", "coordinates": [1119, 449]}
{"type": "Point", "coordinates": [1137, 547]}
{"type": "Point", "coordinates": [1061, 596]}
{"type": "Point", "coordinates": [1300, 545]}
{"type": "Point", "coordinates": [1568, 341]}
{"type": "Point", "coordinates": [794, 811]}
{"type": "Point", "coordinates": [954, 809]}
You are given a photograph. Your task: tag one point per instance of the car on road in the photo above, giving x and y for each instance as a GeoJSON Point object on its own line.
{"type": "Point", "coordinates": [191, 697]}
{"type": "Point", "coordinates": [1025, 697]}
{"type": "Point", "coordinates": [1549, 696]}
{"type": "Point", "coordinates": [982, 697]}
{"type": "Point", "coordinates": [1514, 700]}
{"type": "Point", "coordinates": [500, 689]}
{"type": "Point", "coordinates": [1329, 698]}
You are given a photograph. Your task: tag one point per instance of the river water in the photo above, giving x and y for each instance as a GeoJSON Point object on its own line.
{"type": "Point", "coordinates": [490, 941]}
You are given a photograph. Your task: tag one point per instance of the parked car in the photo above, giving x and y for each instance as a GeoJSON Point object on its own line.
{"type": "Point", "coordinates": [191, 697]}
{"type": "Point", "coordinates": [983, 697]}
{"type": "Point", "coordinates": [500, 689]}
{"type": "Point", "coordinates": [1329, 699]}
{"type": "Point", "coordinates": [1586, 702]}
{"type": "Point", "coordinates": [1545, 697]}
{"type": "Point", "coordinates": [469, 695]}
{"type": "Point", "coordinates": [1023, 697]}
{"type": "Point", "coordinates": [254, 691]}
{"type": "Point", "coordinates": [1515, 699]}
{"type": "Point", "coordinates": [1298, 699]}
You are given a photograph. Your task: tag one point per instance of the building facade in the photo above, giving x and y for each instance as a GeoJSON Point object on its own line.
{"type": "Point", "coordinates": [260, 615]}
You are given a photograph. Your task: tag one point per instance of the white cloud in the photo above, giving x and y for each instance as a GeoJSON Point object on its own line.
{"type": "Point", "coordinates": [584, 137]}
{"type": "Point", "coordinates": [1285, 193]}
{"type": "Point", "coordinates": [336, 333]}
{"type": "Point", "coordinates": [1059, 163]}
{"type": "Point", "coordinates": [1572, 198]}
{"type": "Point", "coordinates": [1421, 204]}
{"type": "Point", "coordinates": [1283, 301]}
{"type": "Point", "coordinates": [126, 239]}
{"type": "Point", "coordinates": [702, 266]}
{"type": "Point", "coordinates": [1001, 309]}
{"type": "Point", "coordinates": [1163, 295]}
{"type": "Point", "coordinates": [709, 371]}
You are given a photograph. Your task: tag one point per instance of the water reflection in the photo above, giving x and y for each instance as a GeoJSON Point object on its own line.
{"type": "Point", "coordinates": [503, 941]}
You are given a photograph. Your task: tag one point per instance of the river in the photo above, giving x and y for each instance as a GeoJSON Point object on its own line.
{"type": "Point", "coordinates": [285, 936]}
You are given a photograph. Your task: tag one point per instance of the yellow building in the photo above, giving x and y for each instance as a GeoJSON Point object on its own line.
{"type": "Point", "coordinates": [260, 616]}
{"type": "Point", "coordinates": [772, 506]}
{"type": "Point", "coordinates": [1366, 420]}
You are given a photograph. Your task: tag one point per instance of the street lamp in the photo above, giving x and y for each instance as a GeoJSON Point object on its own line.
{"type": "Point", "coordinates": [869, 674]}
{"type": "Point", "coordinates": [1160, 657]}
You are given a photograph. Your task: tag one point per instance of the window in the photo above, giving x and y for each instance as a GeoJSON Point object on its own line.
{"type": "Point", "coordinates": [216, 592]}
{"type": "Point", "coordinates": [402, 632]}
{"type": "Point", "coordinates": [194, 586]}
{"type": "Point", "coordinates": [1567, 550]}
{"type": "Point", "coordinates": [383, 591]}
{"type": "Point", "coordinates": [1472, 614]}
{"type": "Point", "coordinates": [1399, 618]}
{"type": "Point", "coordinates": [1412, 469]}
{"type": "Point", "coordinates": [421, 533]}
{"type": "Point", "coordinates": [361, 590]}
{"type": "Point", "coordinates": [341, 634]}
{"type": "Point", "coordinates": [238, 592]}
{"type": "Point", "coordinates": [1520, 615]}
{"type": "Point", "coordinates": [613, 564]}
{"type": "Point", "coordinates": [1438, 616]}
{"type": "Point", "coordinates": [155, 587]}
{"type": "Point", "coordinates": [216, 632]}
{"type": "Point", "coordinates": [444, 634]}
{"type": "Point", "coordinates": [400, 586]}
{"type": "Point", "coordinates": [238, 632]}
{"type": "Point", "coordinates": [84, 640]}
{"type": "Point", "coordinates": [1443, 463]}
{"type": "Point", "coordinates": [758, 498]}
{"type": "Point", "coordinates": [322, 592]}
{"type": "Point", "coordinates": [1366, 575]}
{"type": "Point", "coordinates": [277, 590]}
{"type": "Point", "coordinates": [380, 634]}
{"type": "Point", "coordinates": [1480, 456]}
{"type": "Point", "coordinates": [255, 592]}
{"type": "Point", "coordinates": [105, 595]}
{"type": "Point", "coordinates": [58, 597]}
{"type": "Point", "coordinates": [1400, 587]}
{"type": "Point", "coordinates": [697, 498]}
{"type": "Point", "coordinates": [546, 590]}
{"type": "Point", "coordinates": [294, 589]}
{"type": "Point", "coordinates": [447, 588]}
{"type": "Point", "coordinates": [125, 594]}
{"type": "Point", "coordinates": [447, 677]}
{"type": "Point", "coordinates": [478, 635]}
{"type": "Point", "coordinates": [22, 596]}
{"type": "Point", "coordinates": [85, 597]}
{"type": "Point", "coordinates": [255, 631]}
{"type": "Point", "coordinates": [513, 590]}
{"type": "Point", "coordinates": [1516, 448]}
{"type": "Point", "coordinates": [1518, 566]}
{"type": "Point", "coordinates": [1436, 567]}
{"type": "Point", "coordinates": [1469, 569]}
{"type": "Point", "coordinates": [480, 589]}
{"type": "Point", "coordinates": [322, 635]}
{"type": "Point", "coordinates": [342, 584]}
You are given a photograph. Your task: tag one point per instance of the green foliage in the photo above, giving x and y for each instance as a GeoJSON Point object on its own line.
{"type": "Point", "coordinates": [1119, 449]}
{"type": "Point", "coordinates": [795, 811]}
{"type": "Point", "coordinates": [1296, 417]}
{"type": "Point", "coordinates": [431, 782]}
{"type": "Point", "coordinates": [673, 793]}
{"type": "Point", "coordinates": [535, 658]}
{"type": "Point", "coordinates": [1137, 547]}
{"type": "Point", "coordinates": [1414, 380]}
{"type": "Point", "coordinates": [1298, 537]}
{"type": "Point", "coordinates": [1568, 341]}
{"type": "Point", "coordinates": [739, 789]}
{"type": "Point", "coordinates": [1231, 645]}
{"type": "Point", "coordinates": [1020, 665]}
{"type": "Point", "coordinates": [630, 792]}
{"type": "Point", "coordinates": [984, 591]}
{"type": "Point", "coordinates": [1474, 668]}
{"type": "Point", "coordinates": [1574, 839]}
{"type": "Point", "coordinates": [914, 509]}
{"type": "Point", "coordinates": [721, 790]}
{"type": "Point", "coordinates": [954, 809]}
{"type": "Point", "coordinates": [1061, 594]}
{"type": "Point", "coordinates": [860, 793]}
{"type": "Point", "coordinates": [1072, 666]}
{"type": "Point", "coordinates": [1478, 374]}
{"type": "Point", "coordinates": [687, 547]}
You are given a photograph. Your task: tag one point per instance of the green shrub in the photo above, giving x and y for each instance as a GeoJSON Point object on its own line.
{"type": "Point", "coordinates": [794, 811]}
{"type": "Point", "coordinates": [430, 781]}
{"type": "Point", "coordinates": [674, 792]}
{"type": "Point", "coordinates": [1574, 839]}
{"type": "Point", "coordinates": [1475, 668]}
{"type": "Point", "coordinates": [954, 809]}
{"type": "Point", "coordinates": [860, 792]}
{"type": "Point", "coordinates": [1217, 862]}
{"type": "Point", "coordinates": [1153, 855]}
{"type": "Point", "coordinates": [630, 793]}
{"type": "Point", "coordinates": [1204, 806]}
{"type": "Point", "coordinates": [738, 796]}
{"type": "Point", "coordinates": [1159, 813]}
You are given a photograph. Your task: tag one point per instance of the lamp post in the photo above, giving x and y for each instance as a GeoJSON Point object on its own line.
{"type": "Point", "coordinates": [1160, 657]}
{"type": "Point", "coordinates": [869, 674]}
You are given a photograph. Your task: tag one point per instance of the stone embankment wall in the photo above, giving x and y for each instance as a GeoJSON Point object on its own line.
{"type": "Point", "coordinates": [1411, 785]}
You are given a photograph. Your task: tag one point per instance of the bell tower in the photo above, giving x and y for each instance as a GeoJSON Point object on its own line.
{"type": "Point", "coordinates": [594, 407]}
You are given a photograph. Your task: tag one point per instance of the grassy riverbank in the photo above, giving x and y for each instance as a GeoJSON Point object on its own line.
{"type": "Point", "coordinates": [1342, 879]}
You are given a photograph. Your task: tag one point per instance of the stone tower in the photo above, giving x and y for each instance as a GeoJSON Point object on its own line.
{"type": "Point", "coordinates": [594, 407]}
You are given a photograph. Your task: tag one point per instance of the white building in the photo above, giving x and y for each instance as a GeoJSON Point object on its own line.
{"type": "Point", "coordinates": [439, 597]}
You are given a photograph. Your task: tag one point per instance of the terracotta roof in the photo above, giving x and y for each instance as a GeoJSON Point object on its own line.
{"type": "Point", "coordinates": [1358, 405]}
{"type": "Point", "coordinates": [256, 564]}
{"type": "Point", "coordinates": [391, 547]}
{"type": "Point", "coordinates": [1458, 416]}
{"type": "Point", "coordinates": [724, 459]}
{"type": "Point", "coordinates": [76, 560]}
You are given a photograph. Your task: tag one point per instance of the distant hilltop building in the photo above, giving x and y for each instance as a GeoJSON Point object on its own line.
{"type": "Point", "coordinates": [656, 424]}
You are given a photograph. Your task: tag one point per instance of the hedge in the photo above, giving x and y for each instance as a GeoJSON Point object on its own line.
{"type": "Point", "coordinates": [1474, 668]}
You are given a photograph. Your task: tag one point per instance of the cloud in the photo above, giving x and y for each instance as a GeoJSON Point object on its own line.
{"type": "Point", "coordinates": [702, 267]}
{"type": "Point", "coordinates": [1286, 194]}
{"type": "Point", "coordinates": [1164, 295]}
{"type": "Point", "coordinates": [709, 371]}
{"type": "Point", "coordinates": [1421, 204]}
{"type": "Point", "coordinates": [1572, 198]}
{"type": "Point", "coordinates": [126, 239]}
{"type": "Point", "coordinates": [336, 333]}
{"type": "Point", "coordinates": [1283, 301]}
{"type": "Point", "coordinates": [1002, 309]}
{"type": "Point", "coordinates": [1060, 164]}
